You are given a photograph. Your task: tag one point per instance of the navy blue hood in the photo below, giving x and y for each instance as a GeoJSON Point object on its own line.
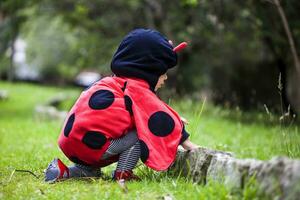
{"type": "Point", "coordinates": [144, 54]}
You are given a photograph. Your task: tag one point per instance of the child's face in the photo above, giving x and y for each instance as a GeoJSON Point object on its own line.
{"type": "Point", "coordinates": [161, 81]}
{"type": "Point", "coordinates": [163, 77]}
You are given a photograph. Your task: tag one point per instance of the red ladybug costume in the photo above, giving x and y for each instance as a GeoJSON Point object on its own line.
{"type": "Point", "coordinates": [114, 105]}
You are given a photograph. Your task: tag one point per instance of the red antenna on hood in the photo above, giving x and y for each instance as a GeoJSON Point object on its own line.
{"type": "Point", "coordinates": [179, 47]}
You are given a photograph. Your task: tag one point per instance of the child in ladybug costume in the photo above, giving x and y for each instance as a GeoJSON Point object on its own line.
{"type": "Point", "coordinates": [120, 118]}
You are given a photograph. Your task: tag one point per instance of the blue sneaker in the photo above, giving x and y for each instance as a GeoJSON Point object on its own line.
{"type": "Point", "coordinates": [56, 171]}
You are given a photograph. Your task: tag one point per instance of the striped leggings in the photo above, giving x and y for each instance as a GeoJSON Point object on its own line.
{"type": "Point", "coordinates": [128, 149]}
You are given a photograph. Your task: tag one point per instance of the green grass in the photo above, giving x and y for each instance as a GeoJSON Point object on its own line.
{"type": "Point", "coordinates": [29, 143]}
{"type": "Point", "coordinates": [247, 135]}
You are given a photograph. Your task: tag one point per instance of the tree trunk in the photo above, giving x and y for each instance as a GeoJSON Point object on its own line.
{"type": "Point", "coordinates": [289, 35]}
{"type": "Point", "coordinates": [11, 70]}
{"type": "Point", "coordinates": [15, 27]}
{"type": "Point", "coordinates": [286, 105]}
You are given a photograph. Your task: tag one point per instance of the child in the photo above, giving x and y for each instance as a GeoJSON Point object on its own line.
{"type": "Point", "coordinates": [120, 119]}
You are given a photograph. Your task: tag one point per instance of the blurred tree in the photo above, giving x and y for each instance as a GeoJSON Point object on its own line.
{"type": "Point", "coordinates": [274, 36]}
{"type": "Point", "coordinates": [237, 48]}
{"type": "Point", "coordinates": [11, 19]}
{"type": "Point", "coordinates": [52, 48]}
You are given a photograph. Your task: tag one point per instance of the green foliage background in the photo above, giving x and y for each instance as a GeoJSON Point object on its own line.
{"type": "Point", "coordinates": [237, 49]}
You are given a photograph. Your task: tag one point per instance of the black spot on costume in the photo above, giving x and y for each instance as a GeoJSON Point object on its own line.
{"type": "Point", "coordinates": [144, 151]}
{"type": "Point", "coordinates": [101, 99]}
{"type": "Point", "coordinates": [94, 140]}
{"type": "Point", "coordinates": [161, 124]}
{"type": "Point", "coordinates": [69, 125]}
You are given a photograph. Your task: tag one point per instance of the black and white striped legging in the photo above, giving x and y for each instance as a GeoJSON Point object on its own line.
{"type": "Point", "coordinates": [128, 147]}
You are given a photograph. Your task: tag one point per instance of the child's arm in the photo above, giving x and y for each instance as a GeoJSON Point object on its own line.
{"type": "Point", "coordinates": [188, 145]}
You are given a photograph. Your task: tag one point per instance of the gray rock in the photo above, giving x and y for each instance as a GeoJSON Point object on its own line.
{"type": "Point", "coordinates": [87, 78]}
{"type": "Point", "coordinates": [238, 172]}
{"type": "Point", "coordinates": [195, 164]}
{"type": "Point", "coordinates": [49, 113]}
{"type": "Point", "coordinates": [50, 110]}
{"type": "Point", "coordinates": [278, 178]}
{"type": "Point", "coordinates": [291, 180]}
{"type": "Point", "coordinates": [57, 100]}
{"type": "Point", "coordinates": [218, 167]}
{"type": "Point", "coordinates": [3, 95]}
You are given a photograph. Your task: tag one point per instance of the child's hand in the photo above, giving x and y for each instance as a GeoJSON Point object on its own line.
{"type": "Point", "coordinates": [188, 145]}
{"type": "Point", "coordinates": [185, 121]}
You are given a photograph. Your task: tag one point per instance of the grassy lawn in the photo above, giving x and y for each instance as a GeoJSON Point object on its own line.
{"type": "Point", "coordinates": [29, 143]}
